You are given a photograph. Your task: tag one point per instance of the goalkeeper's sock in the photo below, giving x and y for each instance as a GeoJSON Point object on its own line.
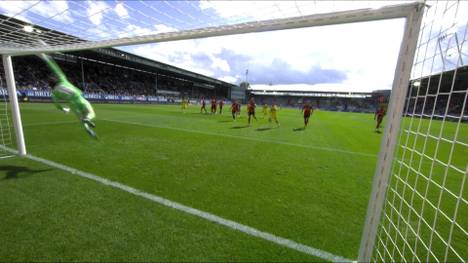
{"type": "Point", "coordinates": [90, 123]}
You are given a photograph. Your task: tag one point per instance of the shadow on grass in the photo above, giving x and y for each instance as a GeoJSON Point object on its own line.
{"type": "Point", "coordinates": [264, 129]}
{"type": "Point", "coordinates": [230, 120]}
{"type": "Point", "coordinates": [377, 131]}
{"type": "Point", "coordinates": [240, 127]}
{"type": "Point", "coordinates": [13, 171]}
{"type": "Point", "coordinates": [299, 129]}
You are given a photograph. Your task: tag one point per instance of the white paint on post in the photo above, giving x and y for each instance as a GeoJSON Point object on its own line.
{"type": "Point", "coordinates": [15, 111]}
{"type": "Point", "coordinates": [387, 148]}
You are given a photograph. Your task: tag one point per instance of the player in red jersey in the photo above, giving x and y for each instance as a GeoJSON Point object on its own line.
{"type": "Point", "coordinates": [221, 104]}
{"type": "Point", "coordinates": [379, 115]}
{"type": "Point", "coordinates": [307, 110]}
{"type": "Point", "coordinates": [203, 105]}
{"type": "Point", "coordinates": [234, 109]}
{"type": "Point", "coordinates": [251, 109]}
{"type": "Point", "coordinates": [213, 106]}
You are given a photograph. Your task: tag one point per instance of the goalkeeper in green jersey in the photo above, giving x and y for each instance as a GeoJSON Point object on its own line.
{"type": "Point", "coordinates": [66, 92]}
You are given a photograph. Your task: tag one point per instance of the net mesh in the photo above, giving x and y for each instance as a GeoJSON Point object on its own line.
{"type": "Point", "coordinates": [60, 23]}
{"type": "Point", "coordinates": [6, 131]}
{"type": "Point", "coordinates": [425, 214]}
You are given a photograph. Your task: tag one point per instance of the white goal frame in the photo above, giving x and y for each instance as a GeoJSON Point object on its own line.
{"type": "Point", "coordinates": [412, 12]}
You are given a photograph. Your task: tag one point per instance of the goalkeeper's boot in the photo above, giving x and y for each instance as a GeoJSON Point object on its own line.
{"type": "Point", "coordinates": [88, 129]}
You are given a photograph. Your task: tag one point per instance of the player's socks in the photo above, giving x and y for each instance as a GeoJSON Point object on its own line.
{"type": "Point", "coordinates": [90, 123]}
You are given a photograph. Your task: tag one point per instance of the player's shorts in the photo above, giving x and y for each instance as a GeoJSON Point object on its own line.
{"type": "Point", "coordinates": [273, 116]}
{"type": "Point", "coordinates": [306, 114]}
{"type": "Point", "coordinates": [379, 118]}
{"type": "Point", "coordinates": [251, 113]}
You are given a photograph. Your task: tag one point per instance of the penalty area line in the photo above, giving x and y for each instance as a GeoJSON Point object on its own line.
{"type": "Point", "coordinates": [193, 211]}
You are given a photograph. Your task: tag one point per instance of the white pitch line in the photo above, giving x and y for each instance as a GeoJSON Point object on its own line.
{"type": "Point", "coordinates": [243, 137]}
{"type": "Point", "coordinates": [193, 211]}
{"type": "Point", "coordinates": [48, 123]}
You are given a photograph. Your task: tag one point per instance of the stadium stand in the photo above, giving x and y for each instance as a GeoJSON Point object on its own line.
{"type": "Point", "coordinates": [332, 101]}
{"type": "Point", "coordinates": [453, 95]}
{"type": "Point", "coordinates": [114, 80]}
{"type": "Point", "coordinates": [368, 102]}
{"type": "Point", "coordinates": [107, 80]}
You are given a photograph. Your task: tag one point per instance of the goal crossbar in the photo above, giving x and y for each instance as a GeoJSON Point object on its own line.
{"type": "Point", "coordinates": [353, 16]}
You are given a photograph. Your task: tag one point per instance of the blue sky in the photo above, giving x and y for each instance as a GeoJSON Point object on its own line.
{"type": "Point", "coordinates": [351, 57]}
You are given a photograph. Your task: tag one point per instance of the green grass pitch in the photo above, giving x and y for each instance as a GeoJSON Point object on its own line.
{"type": "Point", "coordinates": [309, 186]}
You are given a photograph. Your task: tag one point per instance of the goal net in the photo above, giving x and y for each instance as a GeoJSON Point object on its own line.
{"type": "Point", "coordinates": [417, 209]}
{"type": "Point", "coordinates": [6, 131]}
{"type": "Point", "coordinates": [425, 216]}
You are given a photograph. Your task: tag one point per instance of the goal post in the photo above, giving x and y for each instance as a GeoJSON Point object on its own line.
{"type": "Point", "coordinates": [391, 132]}
{"type": "Point", "coordinates": [13, 99]}
{"type": "Point", "coordinates": [424, 213]}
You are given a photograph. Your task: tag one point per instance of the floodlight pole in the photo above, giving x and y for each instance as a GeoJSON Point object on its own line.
{"type": "Point", "coordinates": [392, 128]}
{"type": "Point", "coordinates": [15, 111]}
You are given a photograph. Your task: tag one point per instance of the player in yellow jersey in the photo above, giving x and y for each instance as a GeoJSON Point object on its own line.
{"type": "Point", "coordinates": [184, 104]}
{"type": "Point", "coordinates": [265, 110]}
{"type": "Point", "coordinates": [274, 114]}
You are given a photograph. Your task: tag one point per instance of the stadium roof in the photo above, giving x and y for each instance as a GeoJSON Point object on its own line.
{"type": "Point", "coordinates": [445, 79]}
{"type": "Point", "coordinates": [109, 55]}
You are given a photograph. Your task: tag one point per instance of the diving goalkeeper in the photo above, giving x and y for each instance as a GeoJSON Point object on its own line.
{"type": "Point", "coordinates": [66, 92]}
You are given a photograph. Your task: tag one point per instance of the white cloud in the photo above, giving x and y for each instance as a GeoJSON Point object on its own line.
{"type": "Point", "coordinates": [218, 63]}
{"type": "Point", "coordinates": [262, 10]}
{"type": "Point", "coordinates": [55, 10]}
{"type": "Point", "coordinates": [121, 10]}
{"type": "Point", "coordinates": [367, 55]}
{"type": "Point", "coordinates": [161, 28]}
{"type": "Point", "coordinates": [100, 32]}
{"type": "Point", "coordinates": [96, 11]}
{"type": "Point", "coordinates": [229, 79]}
{"type": "Point", "coordinates": [15, 8]}
{"type": "Point", "coordinates": [135, 30]}
{"type": "Point", "coordinates": [179, 53]}
{"type": "Point", "coordinates": [58, 10]}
